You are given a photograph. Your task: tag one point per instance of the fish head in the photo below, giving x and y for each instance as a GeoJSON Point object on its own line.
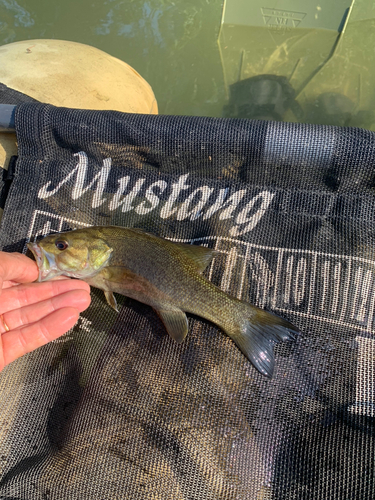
{"type": "Point", "coordinates": [77, 254]}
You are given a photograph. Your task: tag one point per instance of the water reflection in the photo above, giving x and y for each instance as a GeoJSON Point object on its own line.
{"type": "Point", "coordinates": [201, 62]}
{"type": "Point", "coordinates": [173, 45]}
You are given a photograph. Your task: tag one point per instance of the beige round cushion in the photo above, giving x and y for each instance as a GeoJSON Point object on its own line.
{"type": "Point", "coordinates": [72, 75]}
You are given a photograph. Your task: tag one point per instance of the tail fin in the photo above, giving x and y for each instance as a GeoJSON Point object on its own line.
{"type": "Point", "coordinates": [256, 333]}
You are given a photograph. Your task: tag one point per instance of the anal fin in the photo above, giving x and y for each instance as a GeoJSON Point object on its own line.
{"type": "Point", "coordinates": [175, 322]}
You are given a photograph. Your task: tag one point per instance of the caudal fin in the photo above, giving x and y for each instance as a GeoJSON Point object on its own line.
{"type": "Point", "coordinates": [257, 332]}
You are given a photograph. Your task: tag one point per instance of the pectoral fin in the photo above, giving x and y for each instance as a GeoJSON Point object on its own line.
{"type": "Point", "coordinates": [111, 300]}
{"type": "Point", "coordinates": [175, 322]}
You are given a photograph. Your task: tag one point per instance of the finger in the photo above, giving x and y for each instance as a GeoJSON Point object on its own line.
{"type": "Point", "coordinates": [16, 343]}
{"type": "Point", "coordinates": [9, 283]}
{"type": "Point", "coordinates": [79, 299]}
{"type": "Point", "coordinates": [23, 295]}
{"type": "Point", "coordinates": [17, 267]}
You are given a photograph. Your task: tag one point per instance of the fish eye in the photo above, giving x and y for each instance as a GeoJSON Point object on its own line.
{"type": "Point", "coordinates": [61, 244]}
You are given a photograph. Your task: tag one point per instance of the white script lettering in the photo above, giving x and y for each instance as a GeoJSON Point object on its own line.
{"type": "Point", "coordinates": [180, 201]}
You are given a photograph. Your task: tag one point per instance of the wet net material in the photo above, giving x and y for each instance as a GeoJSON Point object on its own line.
{"type": "Point", "coordinates": [115, 409]}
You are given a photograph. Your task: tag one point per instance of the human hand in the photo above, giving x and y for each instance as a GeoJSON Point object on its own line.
{"type": "Point", "coordinates": [33, 314]}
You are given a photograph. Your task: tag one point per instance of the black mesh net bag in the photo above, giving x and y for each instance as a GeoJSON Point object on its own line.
{"type": "Point", "coordinates": [115, 409]}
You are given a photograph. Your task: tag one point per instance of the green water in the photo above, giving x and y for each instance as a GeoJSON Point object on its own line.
{"type": "Point", "coordinates": [172, 44]}
{"type": "Point", "coordinates": [320, 58]}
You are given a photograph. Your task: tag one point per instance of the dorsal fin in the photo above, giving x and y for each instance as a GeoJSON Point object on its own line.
{"type": "Point", "coordinates": [200, 256]}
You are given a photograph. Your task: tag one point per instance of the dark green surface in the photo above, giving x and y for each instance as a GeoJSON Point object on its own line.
{"type": "Point", "coordinates": [192, 52]}
{"type": "Point", "coordinates": [173, 45]}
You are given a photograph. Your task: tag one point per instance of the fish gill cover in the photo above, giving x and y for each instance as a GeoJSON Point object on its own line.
{"type": "Point", "coordinates": [115, 408]}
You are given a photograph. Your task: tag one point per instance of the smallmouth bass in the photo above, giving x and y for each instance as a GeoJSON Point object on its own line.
{"type": "Point", "coordinates": [166, 276]}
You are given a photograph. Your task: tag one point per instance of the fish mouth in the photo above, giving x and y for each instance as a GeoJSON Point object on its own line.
{"type": "Point", "coordinates": [45, 261]}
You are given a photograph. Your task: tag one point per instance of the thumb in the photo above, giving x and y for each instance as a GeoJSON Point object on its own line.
{"type": "Point", "coordinates": [17, 267]}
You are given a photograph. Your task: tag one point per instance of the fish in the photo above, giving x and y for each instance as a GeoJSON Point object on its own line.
{"type": "Point", "coordinates": [166, 276]}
